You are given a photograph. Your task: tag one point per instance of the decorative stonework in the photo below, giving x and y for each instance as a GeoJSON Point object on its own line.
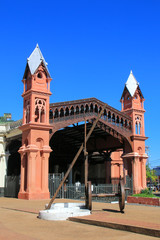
{"type": "Point", "coordinates": [40, 110]}
{"type": "Point", "coordinates": [35, 148]}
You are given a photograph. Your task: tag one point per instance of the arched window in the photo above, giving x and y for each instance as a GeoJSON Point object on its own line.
{"type": "Point", "coordinates": [109, 116]}
{"type": "Point", "coordinates": [27, 111]}
{"type": "Point", "coordinates": [42, 116]}
{"type": "Point", "coordinates": [56, 113]}
{"type": "Point", "coordinates": [39, 75]}
{"type": "Point", "coordinates": [50, 114]}
{"type": "Point", "coordinates": [77, 110]}
{"type": "Point", "coordinates": [139, 128]}
{"type": "Point", "coordinates": [91, 107]}
{"type": "Point", "coordinates": [96, 108]}
{"type": "Point", "coordinates": [87, 108]}
{"type": "Point", "coordinates": [82, 109]}
{"type": "Point", "coordinates": [136, 128]}
{"type": "Point", "coordinates": [36, 114]}
{"type": "Point", "coordinates": [138, 125]}
{"type": "Point", "coordinates": [61, 112]}
{"type": "Point", "coordinates": [67, 112]}
{"type": "Point", "coordinates": [72, 111]}
{"type": "Point", "coordinates": [113, 118]}
{"type": "Point", "coordinates": [121, 122]}
{"type": "Point", "coordinates": [105, 114]}
{"type": "Point", "coordinates": [40, 110]}
{"type": "Point", "coordinates": [117, 121]}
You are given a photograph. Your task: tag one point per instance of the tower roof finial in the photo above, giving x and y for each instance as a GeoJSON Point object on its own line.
{"type": "Point", "coordinates": [35, 59]}
{"type": "Point", "coordinates": [131, 84]}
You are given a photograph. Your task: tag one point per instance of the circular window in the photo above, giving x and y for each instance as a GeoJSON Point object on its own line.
{"type": "Point", "coordinates": [39, 75]}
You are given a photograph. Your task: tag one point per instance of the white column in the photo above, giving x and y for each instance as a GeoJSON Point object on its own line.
{"type": "Point", "coordinates": [3, 161]}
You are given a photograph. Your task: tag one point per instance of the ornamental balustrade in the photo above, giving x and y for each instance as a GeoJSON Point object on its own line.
{"type": "Point", "coordinates": [63, 114]}
{"type": "Point", "coordinates": [88, 109]}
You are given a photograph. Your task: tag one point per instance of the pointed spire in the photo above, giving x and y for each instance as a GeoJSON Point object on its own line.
{"type": "Point", "coordinates": [131, 84]}
{"type": "Point", "coordinates": [35, 59]}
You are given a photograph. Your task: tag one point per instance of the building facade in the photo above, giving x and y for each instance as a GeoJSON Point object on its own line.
{"type": "Point", "coordinates": [49, 135]}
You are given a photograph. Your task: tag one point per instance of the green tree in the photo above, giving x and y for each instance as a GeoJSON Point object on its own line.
{"type": "Point", "coordinates": [151, 174]}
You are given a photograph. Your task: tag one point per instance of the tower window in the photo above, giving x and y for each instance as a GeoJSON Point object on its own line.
{"type": "Point", "coordinates": [39, 75]}
{"type": "Point", "coordinates": [138, 125]}
{"type": "Point", "coordinates": [40, 110]}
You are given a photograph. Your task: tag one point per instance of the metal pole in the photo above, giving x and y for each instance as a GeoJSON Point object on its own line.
{"type": "Point", "coordinates": [76, 157]}
{"type": "Point", "coordinates": [85, 166]}
{"type": "Point", "coordinates": [85, 157]}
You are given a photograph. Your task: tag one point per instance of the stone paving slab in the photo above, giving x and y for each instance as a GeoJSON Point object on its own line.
{"type": "Point", "coordinates": [18, 220]}
{"type": "Point", "coordinates": [104, 220]}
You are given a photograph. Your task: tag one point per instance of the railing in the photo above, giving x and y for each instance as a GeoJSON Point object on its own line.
{"type": "Point", "coordinates": [77, 191]}
{"type": "Point", "coordinates": [85, 108]}
{"type": "Point", "coordinates": [88, 108]}
{"type": "Point", "coordinates": [69, 191]}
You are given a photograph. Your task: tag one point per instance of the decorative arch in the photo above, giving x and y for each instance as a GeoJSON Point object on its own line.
{"type": "Point", "coordinates": [113, 118]}
{"type": "Point", "coordinates": [96, 108]}
{"type": "Point", "coordinates": [138, 125]}
{"type": "Point", "coordinates": [117, 120]}
{"type": "Point", "coordinates": [56, 113]}
{"type": "Point", "coordinates": [50, 114]}
{"type": "Point", "coordinates": [91, 107]}
{"type": "Point", "coordinates": [40, 110]}
{"type": "Point", "coordinates": [67, 111]}
{"type": "Point", "coordinates": [86, 108]}
{"type": "Point", "coordinates": [82, 109]}
{"type": "Point", "coordinates": [27, 111]}
{"type": "Point", "coordinates": [109, 116]}
{"type": "Point", "coordinates": [121, 122]}
{"type": "Point", "coordinates": [100, 108]}
{"type": "Point", "coordinates": [77, 109]}
{"type": "Point", "coordinates": [72, 111]}
{"type": "Point", "coordinates": [61, 112]}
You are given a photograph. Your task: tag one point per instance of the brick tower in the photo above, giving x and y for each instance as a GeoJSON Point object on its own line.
{"type": "Point", "coordinates": [133, 104]}
{"type": "Point", "coordinates": [35, 148]}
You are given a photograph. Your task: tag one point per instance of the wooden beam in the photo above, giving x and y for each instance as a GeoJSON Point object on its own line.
{"type": "Point", "coordinates": [76, 157]}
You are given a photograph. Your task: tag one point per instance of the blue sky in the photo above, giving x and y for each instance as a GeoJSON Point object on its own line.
{"type": "Point", "coordinates": [90, 47]}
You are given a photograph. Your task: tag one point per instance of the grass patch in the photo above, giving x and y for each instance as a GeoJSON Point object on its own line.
{"type": "Point", "coordinates": [146, 193]}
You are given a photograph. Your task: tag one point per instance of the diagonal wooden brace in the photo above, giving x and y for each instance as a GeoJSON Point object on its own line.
{"type": "Point", "coordinates": [76, 157]}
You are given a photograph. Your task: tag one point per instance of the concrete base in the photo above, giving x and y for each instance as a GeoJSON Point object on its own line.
{"type": "Point", "coordinates": [62, 211]}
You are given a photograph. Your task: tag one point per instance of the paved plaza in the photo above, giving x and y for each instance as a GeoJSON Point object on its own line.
{"type": "Point", "coordinates": [18, 220]}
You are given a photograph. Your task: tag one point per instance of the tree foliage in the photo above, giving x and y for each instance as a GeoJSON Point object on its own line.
{"type": "Point", "coordinates": [151, 174]}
